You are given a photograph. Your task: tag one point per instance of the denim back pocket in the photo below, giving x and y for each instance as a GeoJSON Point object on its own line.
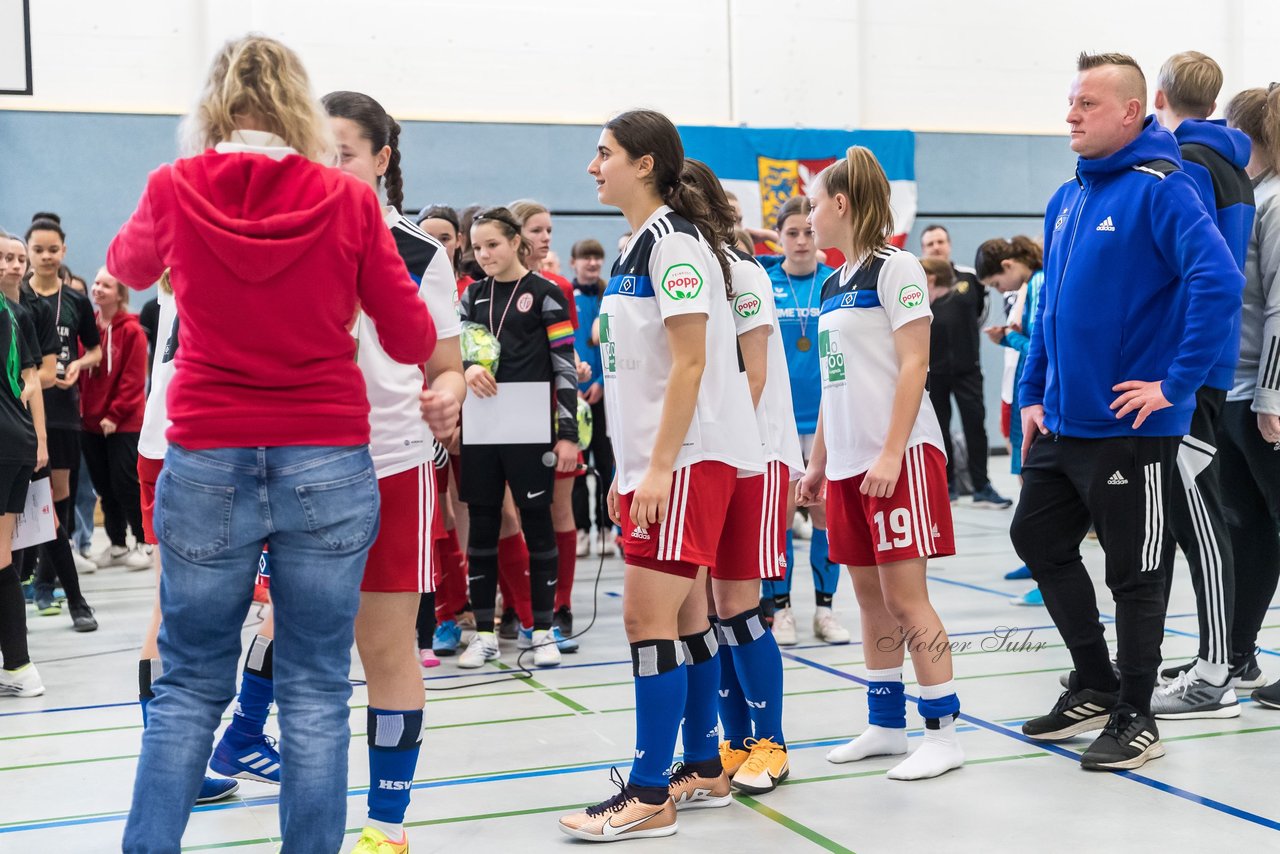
{"type": "Point", "coordinates": [342, 514]}
{"type": "Point", "coordinates": [195, 518]}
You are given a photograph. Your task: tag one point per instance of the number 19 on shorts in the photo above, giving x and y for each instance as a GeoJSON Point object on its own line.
{"type": "Point", "coordinates": [899, 526]}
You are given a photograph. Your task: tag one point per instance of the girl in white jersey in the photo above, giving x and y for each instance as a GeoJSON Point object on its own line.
{"type": "Point", "coordinates": [674, 392]}
{"type": "Point", "coordinates": [879, 443]}
{"type": "Point", "coordinates": [398, 569]}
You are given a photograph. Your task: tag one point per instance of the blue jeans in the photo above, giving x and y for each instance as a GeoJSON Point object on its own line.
{"type": "Point", "coordinates": [317, 508]}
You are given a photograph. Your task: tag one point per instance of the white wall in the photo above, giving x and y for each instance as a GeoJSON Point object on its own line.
{"type": "Point", "coordinates": [983, 65]}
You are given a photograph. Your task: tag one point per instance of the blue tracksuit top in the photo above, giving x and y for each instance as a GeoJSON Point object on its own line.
{"type": "Point", "coordinates": [1139, 285]}
{"type": "Point", "coordinates": [1215, 155]}
{"type": "Point", "coordinates": [587, 299]}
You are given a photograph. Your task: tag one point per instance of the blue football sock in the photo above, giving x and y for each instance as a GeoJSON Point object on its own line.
{"type": "Point", "coordinates": [886, 702]}
{"type": "Point", "coordinates": [756, 656]}
{"type": "Point", "coordinates": [257, 690]}
{"type": "Point", "coordinates": [938, 704]}
{"type": "Point", "coordinates": [394, 741]}
{"type": "Point", "coordinates": [661, 688]}
{"type": "Point", "coordinates": [735, 718]}
{"type": "Point", "coordinates": [701, 730]}
{"type": "Point", "coordinates": [826, 575]}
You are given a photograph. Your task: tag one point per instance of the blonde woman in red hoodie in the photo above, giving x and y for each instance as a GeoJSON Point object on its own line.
{"type": "Point", "coordinates": [272, 254]}
{"type": "Point", "coordinates": [112, 399]}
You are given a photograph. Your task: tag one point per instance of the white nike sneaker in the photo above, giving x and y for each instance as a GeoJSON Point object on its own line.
{"type": "Point", "coordinates": [584, 543]}
{"type": "Point", "coordinates": [109, 556]}
{"type": "Point", "coordinates": [784, 627]}
{"type": "Point", "coordinates": [546, 652]}
{"type": "Point", "coordinates": [827, 628]}
{"type": "Point", "coordinates": [21, 682]}
{"type": "Point", "coordinates": [139, 557]}
{"type": "Point", "coordinates": [482, 649]}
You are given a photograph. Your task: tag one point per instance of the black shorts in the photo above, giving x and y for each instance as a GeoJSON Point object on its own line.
{"type": "Point", "coordinates": [14, 480]}
{"type": "Point", "coordinates": [64, 448]}
{"type": "Point", "coordinates": [487, 469]}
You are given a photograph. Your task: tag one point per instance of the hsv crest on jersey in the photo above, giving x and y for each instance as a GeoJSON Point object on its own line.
{"type": "Point", "coordinates": [911, 296]}
{"type": "Point", "coordinates": [628, 285]}
{"type": "Point", "coordinates": [747, 305]}
{"type": "Point", "coordinates": [682, 281]}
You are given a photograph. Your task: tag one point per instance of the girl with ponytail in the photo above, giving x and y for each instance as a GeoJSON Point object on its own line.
{"type": "Point", "coordinates": [879, 453]}
{"type": "Point", "coordinates": [398, 571]}
{"type": "Point", "coordinates": [676, 404]}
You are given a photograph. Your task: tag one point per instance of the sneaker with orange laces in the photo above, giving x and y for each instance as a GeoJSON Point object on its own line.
{"type": "Point", "coordinates": [695, 787]}
{"type": "Point", "coordinates": [765, 768]}
{"type": "Point", "coordinates": [624, 816]}
{"type": "Point", "coordinates": [731, 758]}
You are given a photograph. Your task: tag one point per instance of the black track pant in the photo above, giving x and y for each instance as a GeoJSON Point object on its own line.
{"type": "Point", "coordinates": [1198, 525]}
{"type": "Point", "coordinates": [967, 388]}
{"type": "Point", "coordinates": [600, 456]}
{"type": "Point", "coordinates": [1121, 486]}
{"type": "Point", "coordinates": [1251, 492]}
{"type": "Point", "coordinates": [113, 467]}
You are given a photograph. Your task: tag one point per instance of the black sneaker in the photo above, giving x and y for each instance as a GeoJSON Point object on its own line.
{"type": "Point", "coordinates": [1075, 712]}
{"type": "Point", "coordinates": [509, 627]}
{"type": "Point", "coordinates": [1268, 696]}
{"type": "Point", "coordinates": [1129, 740]}
{"type": "Point", "coordinates": [562, 619]}
{"type": "Point", "coordinates": [1244, 672]}
{"type": "Point", "coordinates": [988, 497]}
{"type": "Point", "coordinates": [82, 619]}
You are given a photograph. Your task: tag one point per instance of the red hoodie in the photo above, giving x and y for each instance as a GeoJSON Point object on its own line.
{"type": "Point", "coordinates": [269, 261]}
{"type": "Point", "coordinates": [116, 388]}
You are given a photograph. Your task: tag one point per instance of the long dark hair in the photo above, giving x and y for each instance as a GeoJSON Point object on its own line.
{"type": "Point", "coordinates": [990, 255]}
{"type": "Point", "coordinates": [377, 127]}
{"type": "Point", "coordinates": [450, 216]}
{"type": "Point", "coordinates": [507, 223]}
{"type": "Point", "coordinates": [642, 132]}
{"type": "Point", "coordinates": [709, 193]}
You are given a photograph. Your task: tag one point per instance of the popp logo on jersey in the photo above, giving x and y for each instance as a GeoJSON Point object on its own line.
{"type": "Point", "coordinates": [682, 281]}
{"type": "Point", "coordinates": [911, 296]}
{"type": "Point", "coordinates": [747, 305]}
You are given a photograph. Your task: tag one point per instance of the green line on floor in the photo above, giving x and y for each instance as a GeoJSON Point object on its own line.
{"type": "Point", "coordinates": [794, 826]}
{"type": "Point", "coordinates": [550, 692]}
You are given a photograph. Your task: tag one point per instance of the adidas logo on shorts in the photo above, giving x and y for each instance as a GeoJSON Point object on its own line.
{"type": "Point", "coordinates": [1106, 225]}
{"type": "Point", "coordinates": [640, 534]}
{"type": "Point", "coordinates": [1116, 479]}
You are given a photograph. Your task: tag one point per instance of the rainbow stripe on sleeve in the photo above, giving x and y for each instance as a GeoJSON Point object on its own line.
{"type": "Point", "coordinates": [560, 333]}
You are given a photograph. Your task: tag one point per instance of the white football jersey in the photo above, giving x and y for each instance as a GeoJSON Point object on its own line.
{"type": "Point", "coordinates": [861, 309]}
{"type": "Point", "coordinates": [753, 308]}
{"type": "Point", "coordinates": [669, 270]}
{"type": "Point", "coordinates": [399, 439]}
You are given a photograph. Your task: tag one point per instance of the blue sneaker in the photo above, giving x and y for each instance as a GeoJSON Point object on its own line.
{"type": "Point", "coordinates": [524, 637]}
{"type": "Point", "coordinates": [1019, 574]}
{"type": "Point", "coordinates": [215, 789]}
{"type": "Point", "coordinates": [563, 643]}
{"type": "Point", "coordinates": [447, 638]}
{"type": "Point", "coordinates": [259, 761]}
{"type": "Point", "coordinates": [1033, 598]}
{"type": "Point", "coordinates": [988, 497]}
{"type": "Point", "coordinates": [29, 591]}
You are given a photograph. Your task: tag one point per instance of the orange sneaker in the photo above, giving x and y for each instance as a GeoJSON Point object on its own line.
{"type": "Point", "coordinates": [765, 768]}
{"type": "Point", "coordinates": [691, 791]}
{"type": "Point", "coordinates": [624, 816]}
{"type": "Point", "coordinates": [732, 758]}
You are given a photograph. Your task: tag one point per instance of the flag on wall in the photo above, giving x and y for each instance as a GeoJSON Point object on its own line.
{"type": "Point", "coordinates": [764, 167]}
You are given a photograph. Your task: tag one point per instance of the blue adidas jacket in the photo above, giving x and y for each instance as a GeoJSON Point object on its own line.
{"type": "Point", "coordinates": [1214, 155]}
{"type": "Point", "coordinates": [1139, 284]}
{"type": "Point", "coordinates": [587, 299]}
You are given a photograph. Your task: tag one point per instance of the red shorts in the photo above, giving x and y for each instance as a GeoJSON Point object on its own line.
{"type": "Point", "coordinates": [753, 544]}
{"type": "Point", "coordinates": [1006, 413]}
{"type": "Point", "coordinates": [914, 522]}
{"type": "Point", "coordinates": [148, 474]}
{"type": "Point", "coordinates": [689, 536]}
{"type": "Point", "coordinates": [577, 472]}
{"type": "Point", "coordinates": [400, 559]}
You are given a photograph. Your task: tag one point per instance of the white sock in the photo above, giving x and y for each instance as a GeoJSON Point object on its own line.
{"type": "Point", "coordinates": [874, 741]}
{"type": "Point", "coordinates": [937, 754]}
{"type": "Point", "coordinates": [1215, 674]}
{"type": "Point", "coordinates": [394, 832]}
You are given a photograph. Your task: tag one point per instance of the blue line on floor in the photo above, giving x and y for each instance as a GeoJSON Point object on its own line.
{"type": "Point", "coordinates": [1263, 821]}
{"type": "Point", "coordinates": [269, 800]}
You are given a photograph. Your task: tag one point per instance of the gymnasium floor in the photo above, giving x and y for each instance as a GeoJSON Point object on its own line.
{"type": "Point", "coordinates": [501, 761]}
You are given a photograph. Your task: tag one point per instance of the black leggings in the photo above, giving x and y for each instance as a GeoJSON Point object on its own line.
{"type": "Point", "coordinates": [482, 554]}
{"type": "Point", "coordinates": [13, 620]}
{"type": "Point", "coordinates": [113, 467]}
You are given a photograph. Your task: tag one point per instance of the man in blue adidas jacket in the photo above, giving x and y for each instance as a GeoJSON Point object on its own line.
{"type": "Point", "coordinates": [1214, 155]}
{"type": "Point", "coordinates": [1138, 293]}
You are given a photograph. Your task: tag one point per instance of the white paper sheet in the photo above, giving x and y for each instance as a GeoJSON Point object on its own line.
{"type": "Point", "coordinates": [35, 524]}
{"type": "Point", "coordinates": [519, 414]}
